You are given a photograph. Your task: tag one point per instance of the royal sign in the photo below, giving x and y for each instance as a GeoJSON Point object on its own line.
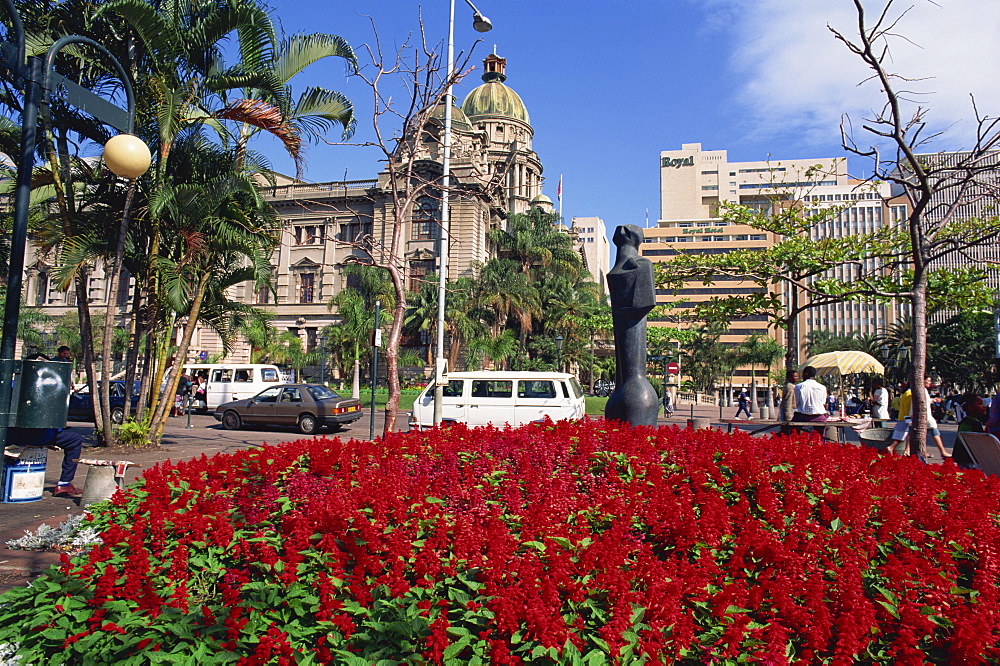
{"type": "Point", "coordinates": [676, 162]}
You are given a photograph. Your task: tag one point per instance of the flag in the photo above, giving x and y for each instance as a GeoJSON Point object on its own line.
{"type": "Point", "coordinates": [647, 218]}
{"type": "Point", "coordinates": [559, 189]}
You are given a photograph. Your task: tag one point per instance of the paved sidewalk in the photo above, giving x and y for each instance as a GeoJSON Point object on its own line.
{"type": "Point", "coordinates": [206, 436]}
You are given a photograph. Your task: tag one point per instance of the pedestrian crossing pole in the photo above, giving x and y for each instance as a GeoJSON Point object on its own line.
{"type": "Point", "coordinates": [376, 343]}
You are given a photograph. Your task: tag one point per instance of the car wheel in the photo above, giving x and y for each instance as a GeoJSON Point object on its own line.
{"type": "Point", "coordinates": [117, 415]}
{"type": "Point", "coordinates": [307, 424]}
{"type": "Point", "coordinates": [231, 420]}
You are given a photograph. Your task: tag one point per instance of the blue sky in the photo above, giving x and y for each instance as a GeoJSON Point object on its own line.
{"type": "Point", "coordinates": [610, 85]}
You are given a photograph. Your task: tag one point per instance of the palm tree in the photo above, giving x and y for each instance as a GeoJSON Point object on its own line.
{"type": "Point", "coordinates": [179, 50]}
{"type": "Point", "coordinates": [224, 233]}
{"type": "Point", "coordinates": [543, 254]}
{"type": "Point", "coordinates": [706, 357]}
{"type": "Point", "coordinates": [489, 348]}
{"type": "Point", "coordinates": [533, 240]}
{"type": "Point", "coordinates": [895, 349]}
{"type": "Point", "coordinates": [508, 294]}
{"type": "Point", "coordinates": [313, 114]}
{"type": "Point", "coordinates": [356, 307]}
{"type": "Point", "coordinates": [759, 350]}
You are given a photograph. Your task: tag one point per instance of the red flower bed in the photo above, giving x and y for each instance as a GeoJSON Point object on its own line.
{"type": "Point", "coordinates": [577, 542]}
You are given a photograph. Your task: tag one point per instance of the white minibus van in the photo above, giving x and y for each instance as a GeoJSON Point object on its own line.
{"type": "Point", "coordinates": [499, 397]}
{"type": "Point", "coordinates": [224, 382]}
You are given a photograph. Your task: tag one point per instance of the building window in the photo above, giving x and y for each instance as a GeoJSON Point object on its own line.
{"type": "Point", "coordinates": [310, 234]}
{"type": "Point", "coordinates": [122, 297]}
{"type": "Point", "coordinates": [307, 288]}
{"type": "Point", "coordinates": [351, 231]}
{"type": "Point", "coordinates": [41, 288]}
{"type": "Point", "coordinates": [709, 187]}
{"type": "Point", "coordinates": [419, 270]}
{"type": "Point", "coordinates": [425, 219]}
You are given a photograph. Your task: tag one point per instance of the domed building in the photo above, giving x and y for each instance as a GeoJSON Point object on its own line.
{"type": "Point", "coordinates": [495, 173]}
{"type": "Point", "coordinates": [494, 108]}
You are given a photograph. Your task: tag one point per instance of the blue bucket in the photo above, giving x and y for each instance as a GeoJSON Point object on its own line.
{"type": "Point", "coordinates": [24, 476]}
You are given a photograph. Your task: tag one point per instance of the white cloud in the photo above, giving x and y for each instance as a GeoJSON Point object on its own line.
{"type": "Point", "coordinates": [797, 78]}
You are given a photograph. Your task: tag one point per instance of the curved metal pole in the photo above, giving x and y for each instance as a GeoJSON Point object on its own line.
{"type": "Point", "coordinates": [18, 239]}
{"type": "Point", "coordinates": [15, 18]}
{"type": "Point", "coordinates": [50, 57]}
{"type": "Point", "coordinates": [33, 78]}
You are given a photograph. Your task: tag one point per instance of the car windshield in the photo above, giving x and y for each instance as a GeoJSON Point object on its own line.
{"type": "Point", "coordinates": [321, 392]}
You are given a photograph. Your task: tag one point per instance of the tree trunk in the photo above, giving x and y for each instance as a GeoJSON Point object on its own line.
{"type": "Point", "coordinates": [166, 397]}
{"type": "Point", "coordinates": [111, 296]}
{"type": "Point", "coordinates": [392, 359]}
{"type": "Point", "coordinates": [454, 349]}
{"type": "Point", "coordinates": [919, 408]}
{"type": "Point", "coordinates": [59, 168]}
{"type": "Point", "coordinates": [356, 378]}
{"type": "Point", "coordinates": [145, 386]}
{"type": "Point", "coordinates": [132, 355]}
{"type": "Point", "coordinates": [87, 343]}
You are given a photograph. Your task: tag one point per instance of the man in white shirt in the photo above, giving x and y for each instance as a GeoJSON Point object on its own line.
{"type": "Point", "coordinates": [880, 403]}
{"type": "Point", "coordinates": [810, 397]}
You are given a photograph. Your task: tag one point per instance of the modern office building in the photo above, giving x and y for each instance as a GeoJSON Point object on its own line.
{"type": "Point", "coordinates": [695, 183]}
{"type": "Point", "coordinates": [980, 201]}
{"type": "Point", "coordinates": [592, 242]}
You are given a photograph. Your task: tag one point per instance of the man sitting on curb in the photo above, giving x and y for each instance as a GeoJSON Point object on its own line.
{"type": "Point", "coordinates": [70, 441]}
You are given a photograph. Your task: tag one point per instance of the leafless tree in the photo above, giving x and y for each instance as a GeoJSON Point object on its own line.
{"type": "Point", "coordinates": [404, 134]}
{"type": "Point", "coordinates": [941, 188]}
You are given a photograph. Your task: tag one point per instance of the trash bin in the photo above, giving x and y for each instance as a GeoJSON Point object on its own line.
{"type": "Point", "coordinates": [41, 394]}
{"type": "Point", "coordinates": [23, 476]}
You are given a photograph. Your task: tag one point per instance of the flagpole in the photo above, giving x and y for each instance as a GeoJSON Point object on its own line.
{"type": "Point", "coordinates": [559, 196]}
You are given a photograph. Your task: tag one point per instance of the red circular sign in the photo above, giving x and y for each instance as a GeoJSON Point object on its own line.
{"type": "Point", "coordinates": [673, 367]}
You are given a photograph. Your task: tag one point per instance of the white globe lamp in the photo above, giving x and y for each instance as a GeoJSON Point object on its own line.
{"type": "Point", "coordinates": [127, 156]}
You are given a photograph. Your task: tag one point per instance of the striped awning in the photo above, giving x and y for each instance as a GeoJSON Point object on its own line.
{"type": "Point", "coordinates": [844, 363]}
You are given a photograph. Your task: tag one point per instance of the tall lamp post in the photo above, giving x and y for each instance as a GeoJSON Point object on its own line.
{"type": "Point", "coordinates": [322, 360]}
{"type": "Point", "coordinates": [559, 346]}
{"type": "Point", "coordinates": [481, 24]}
{"type": "Point", "coordinates": [125, 155]}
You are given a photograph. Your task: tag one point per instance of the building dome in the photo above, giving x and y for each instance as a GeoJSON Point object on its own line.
{"type": "Point", "coordinates": [493, 98]}
{"type": "Point", "coordinates": [542, 200]}
{"type": "Point", "coordinates": [459, 121]}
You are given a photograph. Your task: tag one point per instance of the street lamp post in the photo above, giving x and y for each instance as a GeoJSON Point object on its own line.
{"type": "Point", "coordinates": [559, 346]}
{"type": "Point", "coordinates": [125, 155]}
{"type": "Point", "coordinates": [481, 24]}
{"type": "Point", "coordinates": [322, 360]}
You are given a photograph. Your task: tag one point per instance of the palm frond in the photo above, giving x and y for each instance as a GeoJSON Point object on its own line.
{"type": "Point", "coordinates": [318, 109]}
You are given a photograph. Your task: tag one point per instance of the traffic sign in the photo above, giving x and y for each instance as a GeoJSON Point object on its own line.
{"type": "Point", "coordinates": [673, 367]}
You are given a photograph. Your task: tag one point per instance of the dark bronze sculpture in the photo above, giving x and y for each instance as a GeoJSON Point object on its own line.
{"type": "Point", "coordinates": [633, 295]}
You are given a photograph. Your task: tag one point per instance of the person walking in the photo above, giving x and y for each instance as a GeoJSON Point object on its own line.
{"type": "Point", "coordinates": [993, 420]}
{"type": "Point", "coordinates": [880, 403]}
{"type": "Point", "coordinates": [743, 404]}
{"type": "Point", "coordinates": [786, 409]}
{"type": "Point", "coordinates": [902, 430]}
